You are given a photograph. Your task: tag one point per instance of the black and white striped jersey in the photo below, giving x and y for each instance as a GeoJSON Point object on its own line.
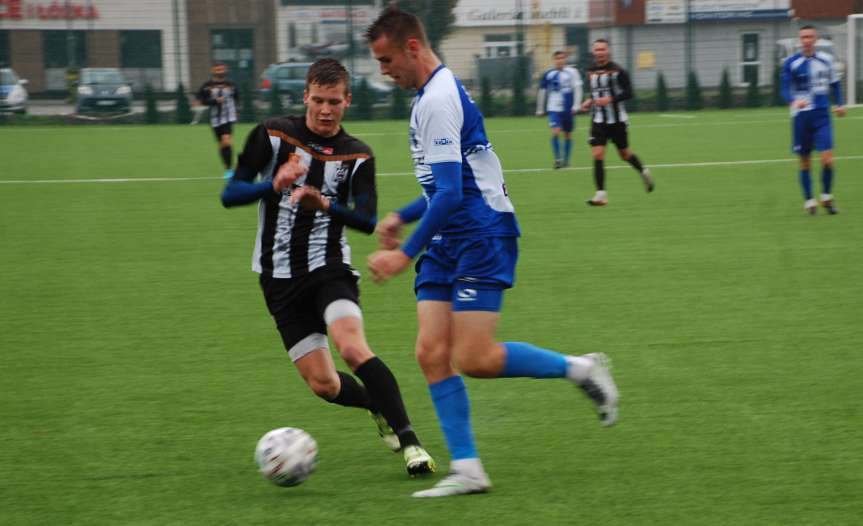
{"type": "Point", "coordinates": [609, 80]}
{"type": "Point", "coordinates": [220, 112]}
{"type": "Point", "coordinates": [293, 241]}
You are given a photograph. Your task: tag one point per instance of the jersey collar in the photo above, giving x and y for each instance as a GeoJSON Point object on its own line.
{"type": "Point", "coordinates": [433, 73]}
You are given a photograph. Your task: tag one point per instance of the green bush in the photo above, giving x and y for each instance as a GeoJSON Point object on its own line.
{"type": "Point", "coordinates": [151, 114]}
{"type": "Point", "coordinates": [694, 100]}
{"type": "Point", "coordinates": [753, 95]}
{"type": "Point", "coordinates": [363, 101]}
{"type": "Point", "coordinates": [399, 106]}
{"type": "Point", "coordinates": [726, 97]}
{"type": "Point", "coordinates": [777, 87]}
{"type": "Point", "coordinates": [247, 105]}
{"type": "Point", "coordinates": [183, 114]}
{"type": "Point", "coordinates": [486, 99]}
{"type": "Point", "coordinates": [661, 93]}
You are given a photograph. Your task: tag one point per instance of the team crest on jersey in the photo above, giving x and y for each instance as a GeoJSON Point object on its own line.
{"type": "Point", "coordinates": [342, 172]}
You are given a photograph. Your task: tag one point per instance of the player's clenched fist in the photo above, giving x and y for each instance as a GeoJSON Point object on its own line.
{"type": "Point", "coordinates": [389, 231]}
{"type": "Point", "coordinates": [385, 264]}
{"type": "Point", "coordinates": [288, 173]}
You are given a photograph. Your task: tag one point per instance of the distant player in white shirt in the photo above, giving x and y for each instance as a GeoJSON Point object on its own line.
{"type": "Point", "coordinates": [560, 96]}
{"type": "Point", "coordinates": [467, 244]}
{"type": "Point", "coordinates": [809, 78]}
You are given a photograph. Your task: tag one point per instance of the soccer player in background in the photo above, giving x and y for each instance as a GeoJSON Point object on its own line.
{"type": "Point", "coordinates": [808, 79]}
{"type": "Point", "coordinates": [311, 173]}
{"type": "Point", "coordinates": [560, 96]}
{"type": "Point", "coordinates": [609, 87]}
{"type": "Point", "coordinates": [469, 232]}
{"type": "Point", "coordinates": [221, 96]}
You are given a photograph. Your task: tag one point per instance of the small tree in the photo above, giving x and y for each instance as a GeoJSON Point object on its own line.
{"type": "Point", "coordinates": [363, 100]}
{"type": "Point", "coordinates": [726, 97]}
{"type": "Point", "coordinates": [399, 107]}
{"type": "Point", "coordinates": [151, 114]}
{"type": "Point", "coordinates": [183, 113]}
{"type": "Point", "coordinates": [247, 109]}
{"type": "Point", "coordinates": [486, 99]}
{"type": "Point", "coordinates": [661, 93]}
{"type": "Point", "coordinates": [753, 94]}
{"type": "Point", "coordinates": [276, 108]}
{"type": "Point", "coordinates": [694, 100]}
{"type": "Point", "coordinates": [519, 81]}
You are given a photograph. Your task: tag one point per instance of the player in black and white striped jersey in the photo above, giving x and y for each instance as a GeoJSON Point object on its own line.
{"type": "Point", "coordinates": [221, 95]}
{"type": "Point", "coordinates": [609, 87]}
{"type": "Point", "coordinates": [315, 179]}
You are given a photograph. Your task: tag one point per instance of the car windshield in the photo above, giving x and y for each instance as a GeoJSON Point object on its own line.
{"type": "Point", "coordinates": [102, 77]}
{"type": "Point", "coordinates": [7, 77]}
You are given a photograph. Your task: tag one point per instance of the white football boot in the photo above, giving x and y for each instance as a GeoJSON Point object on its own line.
{"type": "Point", "coordinates": [457, 484]}
{"type": "Point", "coordinates": [811, 206]}
{"type": "Point", "coordinates": [386, 432]}
{"type": "Point", "coordinates": [418, 461]}
{"type": "Point", "coordinates": [599, 386]}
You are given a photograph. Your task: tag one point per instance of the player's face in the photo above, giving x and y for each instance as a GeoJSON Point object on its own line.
{"type": "Point", "coordinates": [559, 60]}
{"type": "Point", "coordinates": [325, 107]}
{"type": "Point", "coordinates": [807, 40]}
{"type": "Point", "coordinates": [395, 62]}
{"type": "Point", "coordinates": [219, 72]}
{"type": "Point", "coordinates": [600, 52]}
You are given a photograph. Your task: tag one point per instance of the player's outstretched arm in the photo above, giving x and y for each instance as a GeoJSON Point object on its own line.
{"type": "Point", "coordinates": [242, 189]}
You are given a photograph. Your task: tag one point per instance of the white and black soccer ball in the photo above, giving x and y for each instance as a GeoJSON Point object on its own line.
{"type": "Point", "coordinates": [286, 456]}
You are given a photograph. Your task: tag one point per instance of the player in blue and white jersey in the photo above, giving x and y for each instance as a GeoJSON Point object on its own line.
{"type": "Point", "coordinates": [559, 95]}
{"type": "Point", "coordinates": [466, 241]}
{"type": "Point", "coordinates": [809, 78]}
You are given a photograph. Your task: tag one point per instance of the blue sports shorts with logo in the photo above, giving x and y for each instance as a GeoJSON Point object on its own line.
{"type": "Point", "coordinates": [470, 273]}
{"type": "Point", "coordinates": [812, 129]}
{"type": "Point", "coordinates": [560, 119]}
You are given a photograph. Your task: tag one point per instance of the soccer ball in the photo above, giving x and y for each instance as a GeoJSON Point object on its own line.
{"type": "Point", "coordinates": [286, 456]}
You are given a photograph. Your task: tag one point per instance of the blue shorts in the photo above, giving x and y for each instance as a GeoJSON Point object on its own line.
{"type": "Point", "coordinates": [561, 119]}
{"type": "Point", "coordinates": [470, 273]}
{"type": "Point", "coordinates": [812, 129]}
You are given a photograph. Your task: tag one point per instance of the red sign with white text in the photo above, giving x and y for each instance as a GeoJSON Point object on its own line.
{"type": "Point", "coordinates": [20, 10]}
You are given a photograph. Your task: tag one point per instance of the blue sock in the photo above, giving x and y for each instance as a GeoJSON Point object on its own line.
{"type": "Point", "coordinates": [826, 179]}
{"type": "Point", "coordinates": [555, 147]}
{"type": "Point", "coordinates": [453, 413]}
{"type": "Point", "coordinates": [567, 148]}
{"type": "Point", "coordinates": [806, 183]}
{"type": "Point", "coordinates": [524, 359]}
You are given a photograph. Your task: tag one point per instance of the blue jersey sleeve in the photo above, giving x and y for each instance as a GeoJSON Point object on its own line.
{"type": "Point", "coordinates": [447, 197]}
{"type": "Point", "coordinates": [785, 81]}
{"type": "Point", "coordinates": [836, 91]}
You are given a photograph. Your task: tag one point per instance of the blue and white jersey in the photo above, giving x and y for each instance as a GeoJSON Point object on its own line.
{"type": "Point", "coordinates": [447, 126]}
{"type": "Point", "coordinates": [562, 88]}
{"type": "Point", "coordinates": [810, 79]}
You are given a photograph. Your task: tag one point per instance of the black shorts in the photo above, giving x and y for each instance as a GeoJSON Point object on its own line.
{"type": "Point", "coordinates": [297, 304]}
{"type": "Point", "coordinates": [223, 129]}
{"type": "Point", "coordinates": [601, 133]}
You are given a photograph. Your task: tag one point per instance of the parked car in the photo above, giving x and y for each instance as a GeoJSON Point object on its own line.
{"type": "Point", "coordinates": [103, 89]}
{"type": "Point", "coordinates": [13, 96]}
{"type": "Point", "coordinates": [289, 78]}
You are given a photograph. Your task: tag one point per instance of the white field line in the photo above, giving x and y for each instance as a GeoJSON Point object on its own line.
{"type": "Point", "coordinates": [788, 160]}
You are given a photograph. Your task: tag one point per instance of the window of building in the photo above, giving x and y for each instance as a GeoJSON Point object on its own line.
{"type": "Point", "coordinates": [62, 49]}
{"type": "Point", "coordinates": [5, 52]}
{"type": "Point", "coordinates": [235, 47]}
{"type": "Point", "coordinates": [504, 45]}
{"type": "Point", "coordinates": [750, 60]}
{"type": "Point", "coordinates": [141, 49]}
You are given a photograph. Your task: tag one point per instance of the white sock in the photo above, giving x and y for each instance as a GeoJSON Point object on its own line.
{"type": "Point", "coordinates": [600, 194]}
{"type": "Point", "coordinates": [472, 467]}
{"type": "Point", "coordinates": [578, 368]}
{"type": "Point", "coordinates": [826, 197]}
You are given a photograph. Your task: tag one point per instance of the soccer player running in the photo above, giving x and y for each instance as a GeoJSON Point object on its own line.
{"type": "Point", "coordinates": [222, 97]}
{"type": "Point", "coordinates": [469, 232]}
{"type": "Point", "coordinates": [311, 172]}
{"type": "Point", "coordinates": [808, 79]}
{"type": "Point", "coordinates": [609, 88]}
{"type": "Point", "coordinates": [560, 95]}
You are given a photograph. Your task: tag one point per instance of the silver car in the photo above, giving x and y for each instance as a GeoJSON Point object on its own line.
{"type": "Point", "coordinates": [13, 96]}
{"type": "Point", "coordinates": [103, 89]}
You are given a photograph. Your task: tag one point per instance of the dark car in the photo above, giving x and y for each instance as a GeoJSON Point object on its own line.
{"type": "Point", "coordinates": [103, 89]}
{"type": "Point", "coordinates": [289, 78]}
{"type": "Point", "coordinates": [13, 96]}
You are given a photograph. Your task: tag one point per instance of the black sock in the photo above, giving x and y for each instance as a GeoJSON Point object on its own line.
{"type": "Point", "coordinates": [633, 160]}
{"type": "Point", "coordinates": [351, 393]}
{"type": "Point", "coordinates": [226, 153]}
{"type": "Point", "coordinates": [599, 173]}
{"type": "Point", "coordinates": [384, 392]}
